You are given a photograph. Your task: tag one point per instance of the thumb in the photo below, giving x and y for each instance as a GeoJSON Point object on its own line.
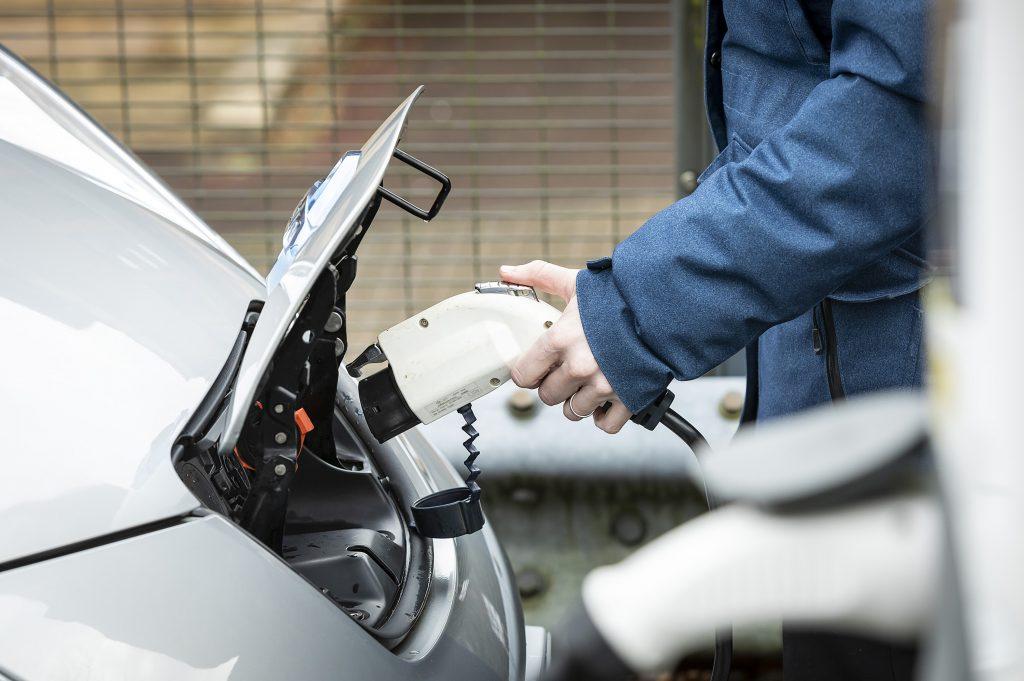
{"type": "Point", "coordinates": [559, 281]}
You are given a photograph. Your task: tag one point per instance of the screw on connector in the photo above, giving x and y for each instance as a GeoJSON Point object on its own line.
{"type": "Point", "coordinates": [334, 322]}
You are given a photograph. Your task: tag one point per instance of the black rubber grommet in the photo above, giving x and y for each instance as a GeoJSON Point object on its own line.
{"type": "Point", "coordinates": [448, 513]}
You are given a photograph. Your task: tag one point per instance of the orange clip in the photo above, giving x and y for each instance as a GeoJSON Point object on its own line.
{"type": "Point", "coordinates": [304, 424]}
{"type": "Point", "coordinates": [242, 461]}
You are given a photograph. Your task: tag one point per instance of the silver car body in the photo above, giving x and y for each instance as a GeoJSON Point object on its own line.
{"type": "Point", "coordinates": [118, 307]}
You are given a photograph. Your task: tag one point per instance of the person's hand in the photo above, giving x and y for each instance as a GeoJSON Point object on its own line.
{"type": "Point", "coordinates": [560, 364]}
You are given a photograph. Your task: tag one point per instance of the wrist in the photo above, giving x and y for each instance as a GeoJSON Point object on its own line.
{"type": "Point", "coordinates": [635, 373]}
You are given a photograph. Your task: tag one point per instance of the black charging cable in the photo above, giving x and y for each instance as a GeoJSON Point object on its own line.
{"type": "Point", "coordinates": [660, 412]}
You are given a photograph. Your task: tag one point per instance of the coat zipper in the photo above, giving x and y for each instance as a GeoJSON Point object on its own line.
{"type": "Point", "coordinates": [824, 338]}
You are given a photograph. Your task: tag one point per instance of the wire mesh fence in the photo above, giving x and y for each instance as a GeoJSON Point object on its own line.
{"type": "Point", "coordinates": [554, 119]}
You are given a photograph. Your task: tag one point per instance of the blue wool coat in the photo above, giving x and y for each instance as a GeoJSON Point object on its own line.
{"type": "Point", "coordinates": [802, 241]}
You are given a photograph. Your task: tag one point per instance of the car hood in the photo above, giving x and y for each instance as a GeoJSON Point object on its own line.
{"type": "Point", "coordinates": [118, 308]}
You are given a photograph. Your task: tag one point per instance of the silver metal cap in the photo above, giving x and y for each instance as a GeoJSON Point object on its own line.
{"type": "Point", "coordinates": [506, 288]}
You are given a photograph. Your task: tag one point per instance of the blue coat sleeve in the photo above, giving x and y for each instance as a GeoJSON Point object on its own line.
{"type": "Point", "coordinates": [763, 239]}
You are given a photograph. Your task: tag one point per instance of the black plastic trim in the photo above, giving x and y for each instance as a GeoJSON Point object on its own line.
{"type": "Point", "coordinates": [209, 408]}
{"type": "Point", "coordinates": [386, 412]}
{"type": "Point", "coordinates": [412, 597]}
